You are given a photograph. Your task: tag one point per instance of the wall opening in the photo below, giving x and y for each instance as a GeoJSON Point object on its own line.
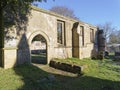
{"type": "Point", "coordinates": [38, 49]}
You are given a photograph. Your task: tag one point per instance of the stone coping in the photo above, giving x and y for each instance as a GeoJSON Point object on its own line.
{"type": "Point", "coordinates": [60, 16]}
{"type": "Point", "coordinates": [52, 13]}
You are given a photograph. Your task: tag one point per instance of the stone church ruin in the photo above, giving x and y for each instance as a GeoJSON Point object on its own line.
{"type": "Point", "coordinates": [52, 35]}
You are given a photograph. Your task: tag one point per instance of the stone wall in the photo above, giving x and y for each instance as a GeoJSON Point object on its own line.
{"type": "Point", "coordinates": [44, 22]}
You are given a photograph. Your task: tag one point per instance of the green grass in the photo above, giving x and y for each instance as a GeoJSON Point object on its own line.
{"type": "Point", "coordinates": [39, 55]}
{"type": "Point", "coordinates": [39, 58]}
{"type": "Point", "coordinates": [23, 77]}
{"type": "Point", "coordinates": [98, 76]}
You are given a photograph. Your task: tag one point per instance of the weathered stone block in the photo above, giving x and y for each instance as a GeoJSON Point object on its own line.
{"type": "Point", "coordinates": [76, 69]}
{"type": "Point", "coordinates": [10, 57]}
{"type": "Point", "coordinates": [66, 67]}
{"type": "Point", "coordinates": [58, 65]}
{"type": "Point", "coordinates": [53, 64]}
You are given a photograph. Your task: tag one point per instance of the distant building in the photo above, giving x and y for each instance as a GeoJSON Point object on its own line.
{"type": "Point", "coordinates": [113, 48]}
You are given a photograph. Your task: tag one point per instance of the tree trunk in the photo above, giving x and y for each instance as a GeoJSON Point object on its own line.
{"type": "Point", "coordinates": [1, 35]}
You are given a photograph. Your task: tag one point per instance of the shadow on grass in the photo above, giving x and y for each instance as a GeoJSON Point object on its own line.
{"type": "Point", "coordinates": [39, 58]}
{"type": "Point", "coordinates": [35, 78]}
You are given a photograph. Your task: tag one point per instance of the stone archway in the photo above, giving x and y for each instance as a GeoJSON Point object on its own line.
{"type": "Point", "coordinates": [42, 40]}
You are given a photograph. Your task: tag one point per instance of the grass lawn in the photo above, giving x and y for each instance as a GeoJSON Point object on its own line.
{"type": "Point", "coordinates": [100, 75]}
{"type": "Point", "coordinates": [39, 58]}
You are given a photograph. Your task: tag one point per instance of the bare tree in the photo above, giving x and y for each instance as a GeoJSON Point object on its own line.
{"type": "Point", "coordinates": [65, 11]}
{"type": "Point", "coordinates": [114, 38]}
{"type": "Point", "coordinates": [107, 28]}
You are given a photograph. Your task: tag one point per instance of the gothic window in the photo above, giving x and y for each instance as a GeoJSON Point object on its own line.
{"type": "Point", "coordinates": [60, 32]}
{"type": "Point", "coordinates": [91, 35]}
{"type": "Point", "coordinates": [82, 34]}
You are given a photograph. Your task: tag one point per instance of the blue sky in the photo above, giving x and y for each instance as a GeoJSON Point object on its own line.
{"type": "Point", "coordinates": [91, 11]}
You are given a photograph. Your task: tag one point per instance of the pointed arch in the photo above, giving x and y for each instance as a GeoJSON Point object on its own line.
{"type": "Point", "coordinates": [47, 41]}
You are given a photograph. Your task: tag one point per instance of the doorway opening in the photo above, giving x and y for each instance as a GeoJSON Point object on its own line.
{"type": "Point", "coordinates": [39, 50]}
